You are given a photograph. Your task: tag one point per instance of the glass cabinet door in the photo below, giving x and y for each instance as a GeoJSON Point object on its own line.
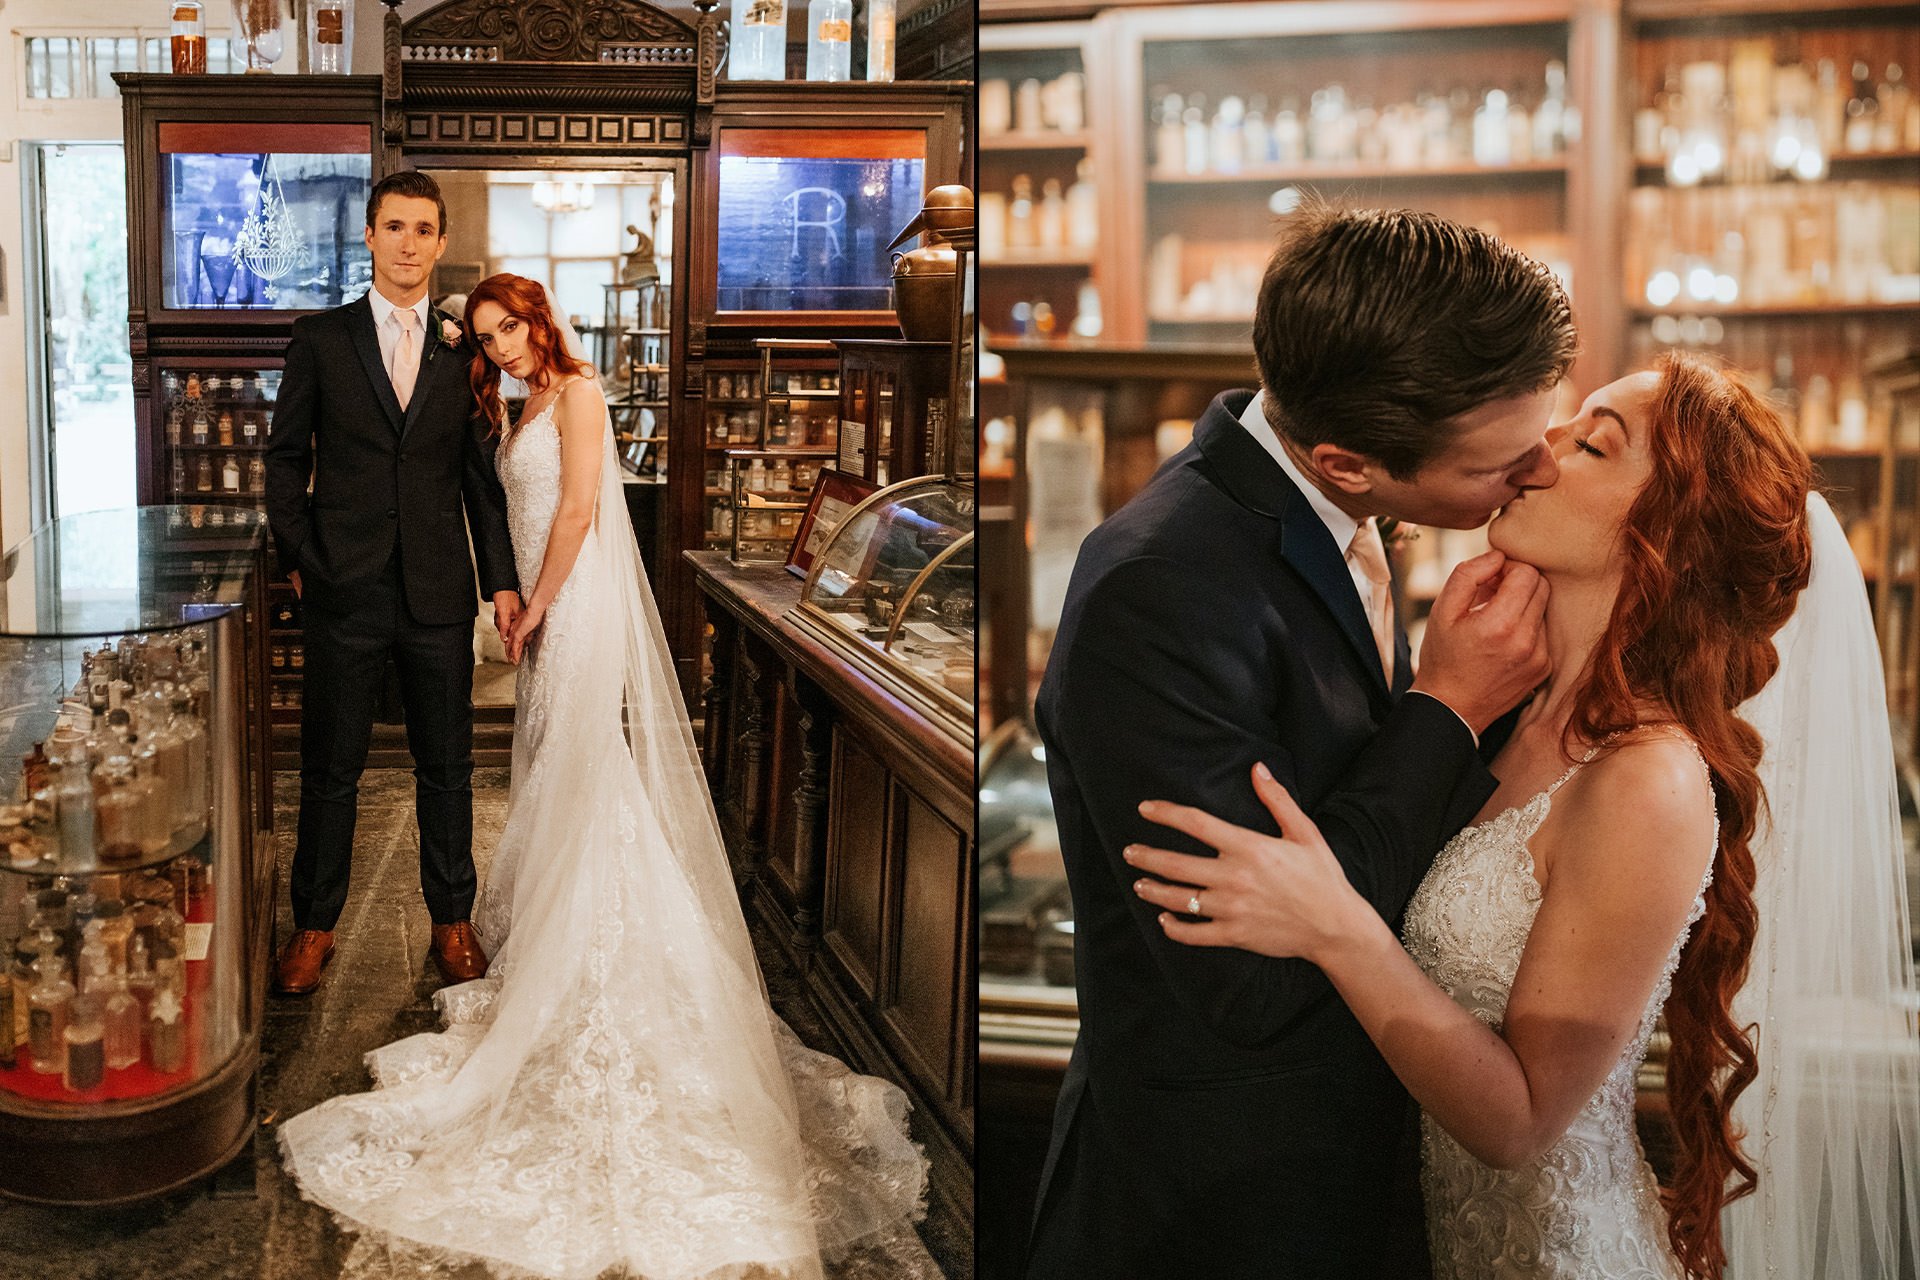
{"type": "Point", "coordinates": [264, 217]}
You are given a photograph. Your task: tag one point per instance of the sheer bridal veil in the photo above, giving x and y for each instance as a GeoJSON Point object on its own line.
{"type": "Point", "coordinates": [1832, 1122]}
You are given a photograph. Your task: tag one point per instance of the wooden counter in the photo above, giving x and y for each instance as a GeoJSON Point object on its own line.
{"type": "Point", "coordinates": [849, 818]}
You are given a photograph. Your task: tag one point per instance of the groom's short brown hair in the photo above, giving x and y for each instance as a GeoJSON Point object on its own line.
{"type": "Point", "coordinates": [1376, 326]}
{"type": "Point", "coordinates": [410, 183]}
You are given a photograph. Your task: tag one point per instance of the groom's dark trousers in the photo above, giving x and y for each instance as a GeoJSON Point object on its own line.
{"type": "Point", "coordinates": [1224, 1115]}
{"type": "Point", "coordinates": [381, 543]}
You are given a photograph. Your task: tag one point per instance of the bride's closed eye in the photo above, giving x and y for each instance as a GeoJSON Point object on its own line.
{"type": "Point", "coordinates": [1580, 443]}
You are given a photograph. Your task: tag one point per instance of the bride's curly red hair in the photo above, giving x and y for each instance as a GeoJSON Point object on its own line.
{"type": "Point", "coordinates": [526, 301]}
{"type": "Point", "coordinates": [1717, 552]}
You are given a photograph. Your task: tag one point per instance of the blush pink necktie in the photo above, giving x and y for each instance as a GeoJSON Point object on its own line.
{"type": "Point", "coordinates": [406, 363]}
{"type": "Point", "coordinates": [1370, 554]}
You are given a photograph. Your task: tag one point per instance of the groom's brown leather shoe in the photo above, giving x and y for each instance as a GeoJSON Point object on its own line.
{"type": "Point", "coordinates": [457, 952]}
{"type": "Point", "coordinates": [298, 970]}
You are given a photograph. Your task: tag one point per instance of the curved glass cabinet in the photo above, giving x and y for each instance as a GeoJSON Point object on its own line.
{"type": "Point", "coordinates": [893, 592]}
{"type": "Point", "coordinates": [1027, 1004]}
{"type": "Point", "coordinates": [135, 885]}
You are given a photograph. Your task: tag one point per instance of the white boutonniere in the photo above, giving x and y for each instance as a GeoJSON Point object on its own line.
{"type": "Point", "coordinates": [450, 334]}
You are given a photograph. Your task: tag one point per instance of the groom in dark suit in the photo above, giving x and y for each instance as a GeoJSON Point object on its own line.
{"type": "Point", "coordinates": [376, 409]}
{"type": "Point", "coordinates": [1224, 1116]}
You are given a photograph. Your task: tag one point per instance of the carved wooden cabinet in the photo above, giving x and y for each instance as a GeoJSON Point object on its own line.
{"type": "Point", "coordinates": [850, 819]}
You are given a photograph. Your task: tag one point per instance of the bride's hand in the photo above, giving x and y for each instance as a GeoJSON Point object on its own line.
{"type": "Point", "coordinates": [1284, 896]}
{"type": "Point", "coordinates": [523, 628]}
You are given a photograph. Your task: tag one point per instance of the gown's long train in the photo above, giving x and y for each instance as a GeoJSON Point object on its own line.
{"type": "Point", "coordinates": [616, 1097]}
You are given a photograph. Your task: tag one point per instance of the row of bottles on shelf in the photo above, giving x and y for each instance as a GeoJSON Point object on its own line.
{"type": "Point", "coordinates": [1847, 243]}
{"type": "Point", "coordinates": [124, 775]}
{"type": "Point", "coordinates": [238, 390]}
{"type": "Point", "coordinates": [758, 49]}
{"type": "Point", "coordinates": [751, 386]}
{"type": "Point", "coordinates": [1750, 118]}
{"type": "Point", "coordinates": [1191, 280]}
{"type": "Point", "coordinates": [1493, 127]}
{"type": "Point", "coordinates": [798, 426]}
{"type": "Point", "coordinates": [763, 524]}
{"type": "Point", "coordinates": [200, 428]}
{"type": "Point", "coordinates": [1060, 219]}
{"type": "Point", "coordinates": [1828, 413]}
{"type": "Point", "coordinates": [232, 476]}
{"type": "Point", "coordinates": [1034, 319]}
{"type": "Point", "coordinates": [1058, 105]}
{"type": "Point", "coordinates": [777, 479]}
{"type": "Point", "coordinates": [96, 981]}
{"type": "Point", "coordinates": [198, 515]}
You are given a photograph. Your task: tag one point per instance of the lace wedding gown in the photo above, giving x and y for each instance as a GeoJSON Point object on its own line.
{"type": "Point", "coordinates": [1589, 1208]}
{"type": "Point", "coordinates": [616, 1097]}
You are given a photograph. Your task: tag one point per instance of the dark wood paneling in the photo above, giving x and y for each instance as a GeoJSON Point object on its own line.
{"type": "Point", "coordinates": [856, 861]}
{"type": "Point", "coordinates": [924, 996]}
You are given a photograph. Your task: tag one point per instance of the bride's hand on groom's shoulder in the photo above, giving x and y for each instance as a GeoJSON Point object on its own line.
{"type": "Point", "coordinates": [1278, 896]}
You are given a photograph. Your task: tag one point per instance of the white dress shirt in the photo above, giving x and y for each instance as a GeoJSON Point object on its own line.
{"type": "Point", "coordinates": [387, 328]}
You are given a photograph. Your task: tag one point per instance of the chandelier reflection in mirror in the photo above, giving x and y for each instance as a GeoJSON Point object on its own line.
{"type": "Point", "coordinates": [269, 243]}
{"type": "Point", "coordinates": [565, 196]}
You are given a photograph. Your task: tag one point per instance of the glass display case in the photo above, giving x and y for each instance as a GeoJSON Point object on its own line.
{"type": "Point", "coordinates": [893, 402]}
{"type": "Point", "coordinates": [263, 216]}
{"type": "Point", "coordinates": [136, 884]}
{"type": "Point", "coordinates": [1026, 912]}
{"type": "Point", "coordinates": [216, 415]}
{"type": "Point", "coordinates": [803, 216]}
{"type": "Point", "coordinates": [781, 406]}
{"type": "Point", "coordinates": [638, 375]}
{"type": "Point", "coordinates": [770, 491]}
{"type": "Point", "coordinates": [892, 592]}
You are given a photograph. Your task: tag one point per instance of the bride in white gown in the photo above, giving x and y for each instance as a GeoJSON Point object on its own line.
{"type": "Point", "coordinates": [615, 1097]}
{"type": "Point", "coordinates": [1695, 817]}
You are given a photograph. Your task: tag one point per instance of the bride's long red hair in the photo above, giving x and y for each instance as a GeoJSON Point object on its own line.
{"type": "Point", "coordinates": [526, 301]}
{"type": "Point", "coordinates": [1717, 552]}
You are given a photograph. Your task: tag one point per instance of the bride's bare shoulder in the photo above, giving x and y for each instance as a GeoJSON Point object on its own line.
{"type": "Point", "coordinates": [1646, 802]}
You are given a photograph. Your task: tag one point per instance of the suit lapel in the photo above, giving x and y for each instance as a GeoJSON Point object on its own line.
{"type": "Point", "coordinates": [430, 355]}
{"type": "Point", "coordinates": [1249, 473]}
{"type": "Point", "coordinates": [1310, 549]}
{"type": "Point", "coordinates": [367, 343]}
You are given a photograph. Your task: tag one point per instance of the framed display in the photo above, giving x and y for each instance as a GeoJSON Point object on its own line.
{"type": "Point", "coordinates": [835, 493]}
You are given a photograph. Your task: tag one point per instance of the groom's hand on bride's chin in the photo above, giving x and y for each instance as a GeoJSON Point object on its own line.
{"type": "Point", "coordinates": [1485, 646]}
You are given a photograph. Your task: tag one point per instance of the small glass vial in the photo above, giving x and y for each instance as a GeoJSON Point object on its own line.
{"type": "Point", "coordinates": [203, 477]}
{"type": "Point", "coordinates": [189, 38]}
{"type": "Point", "coordinates": [880, 26]}
{"type": "Point", "coordinates": [830, 40]}
{"type": "Point", "coordinates": [758, 48]}
{"type": "Point", "coordinates": [250, 427]}
{"type": "Point", "coordinates": [167, 1032]}
{"type": "Point", "coordinates": [201, 426]}
{"type": "Point", "coordinates": [48, 1008]}
{"type": "Point", "coordinates": [85, 1061]}
{"type": "Point", "coordinates": [330, 37]}
{"type": "Point", "coordinates": [226, 426]}
{"type": "Point", "coordinates": [124, 1025]}
{"type": "Point", "coordinates": [141, 982]}
{"type": "Point", "coordinates": [230, 474]}
{"type": "Point", "coordinates": [256, 474]}
{"type": "Point", "coordinates": [116, 927]}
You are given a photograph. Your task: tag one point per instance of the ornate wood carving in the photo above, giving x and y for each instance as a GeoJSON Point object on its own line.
{"type": "Point", "coordinates": [390, 79]}
{"type": "Point", "coordinates": [749, 791]}
{"type": "Point", "coordinates": [725, 633]}
{"type": "Point", "coordinates": [545, 30]}
{"type": "Point", "coordinates": [810, 810]}
{"type": "Point", "coordinates": [710, 44]}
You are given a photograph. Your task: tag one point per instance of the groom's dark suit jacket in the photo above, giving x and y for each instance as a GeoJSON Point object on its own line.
{"type": "Point", "coordinates": [1224, 1114]}
{"type": "Point", "coordinates": [383, 478]}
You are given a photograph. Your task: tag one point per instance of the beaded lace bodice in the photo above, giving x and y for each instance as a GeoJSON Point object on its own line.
{"type": "Point", "coordinates": [1588, 1208]}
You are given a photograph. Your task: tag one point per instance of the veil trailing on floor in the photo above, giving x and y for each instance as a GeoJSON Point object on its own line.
{"type": "Point", "coordinates": [1832, 1123]}
{"type": "Point", "coordinates": [617, 1096]}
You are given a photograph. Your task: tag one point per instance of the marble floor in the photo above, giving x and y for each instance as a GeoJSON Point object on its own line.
{"type": "Point", "coordinates": [251, 1223]}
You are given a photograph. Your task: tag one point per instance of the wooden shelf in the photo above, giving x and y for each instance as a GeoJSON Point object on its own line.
{"type": "Point", "coordinates": [1042, 259]}
{"type": "Point", "coordinates": [1309, 171]}
{"type": "Point", "coordinates": [1854, 164]}
{"type": "Point", "coordinates": [1779, 311]}
{"type": "Point", "coordinates": [1054, 141]}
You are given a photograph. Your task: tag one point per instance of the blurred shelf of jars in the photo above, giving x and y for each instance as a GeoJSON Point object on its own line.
{"type": "Point", "coordinates": [1737, 178]}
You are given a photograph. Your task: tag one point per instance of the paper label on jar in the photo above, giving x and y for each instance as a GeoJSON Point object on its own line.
{"type": "Point", "coordinates": [836, 31]}
{"type": "Point", "coordinates": [199, 936]}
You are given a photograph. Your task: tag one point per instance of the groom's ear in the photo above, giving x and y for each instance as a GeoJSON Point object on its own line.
{"type": "Point", "coordinates": [1346, 470]}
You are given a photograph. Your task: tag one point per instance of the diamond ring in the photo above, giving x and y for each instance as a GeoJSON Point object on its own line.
{"type": "Point", "coordinates": [1193, 903]}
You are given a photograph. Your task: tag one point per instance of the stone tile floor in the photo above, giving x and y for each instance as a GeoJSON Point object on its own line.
{"type": "Point", "coordinates": [377, 989]}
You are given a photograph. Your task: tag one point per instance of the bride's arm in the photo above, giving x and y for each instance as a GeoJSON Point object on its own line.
{"type": "Point", "coordinates": [581, 415]}
{"type": "Point", "coordinates": [1633, 844]}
